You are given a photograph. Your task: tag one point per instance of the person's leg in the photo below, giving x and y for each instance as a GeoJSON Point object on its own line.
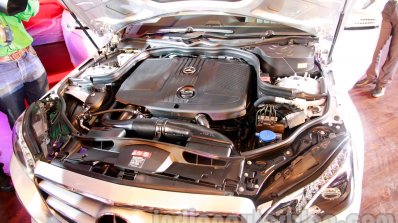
{"type": "Point", "coordinates": [11, 91]}
{"type": "Point", "coordinates": [391, 64]}
{"type": "Point", "coordinates": [5, 183]}
{"type": "Point", "coordinates": [11, 103]}
{"type": "Point", "coordinates": [35, 78]}
{"type": "Point", "coordinates": [385, 32]}
{"type": "Point", "coordinates": [35, 89]}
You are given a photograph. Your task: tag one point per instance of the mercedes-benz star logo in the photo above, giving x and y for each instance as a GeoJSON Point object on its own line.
{"type": "Point", "coordinates": [189, 70]}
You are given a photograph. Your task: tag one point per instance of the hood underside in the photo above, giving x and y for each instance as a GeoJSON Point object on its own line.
{"type": "Point", "coordinates": [108, 16]}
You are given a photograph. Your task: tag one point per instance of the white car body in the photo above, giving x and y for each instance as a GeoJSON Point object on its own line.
{"type": "Point", "coordinates": [74, 196]}
{"type": "Point", "coordinates": [37, 208]}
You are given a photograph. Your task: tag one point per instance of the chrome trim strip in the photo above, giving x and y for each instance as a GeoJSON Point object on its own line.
{"type": "Point", "coordinates": [68, 211]}
{"type": "Point", "coordinates": [121, 195]}
{"type": "Point", "coordinates": [74, 200]}
{"type": "Point", "coordinates": [28, 194]}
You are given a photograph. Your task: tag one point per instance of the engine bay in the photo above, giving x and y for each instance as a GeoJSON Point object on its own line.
{"type": "Point", "coordinates": [199, 120]}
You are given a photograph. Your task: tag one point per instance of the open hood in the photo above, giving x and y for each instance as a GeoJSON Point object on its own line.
{"type": "Point", "coordinates": [107, 16]}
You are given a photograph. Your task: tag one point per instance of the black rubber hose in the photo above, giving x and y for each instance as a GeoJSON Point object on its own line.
{"type": "Point", "coordinates": [288, 93]}
{"type": "Point", "coordinates": [145, 128]}
{"type": "Point", "coordinates": [193, 135]}
{"type": "Point", "coordinates": [153, 127]}
{"type": "Point", "coordinates": [264, 100]}
{"type": "Point", "coordinates": [113, 110]}
{"type": "Point", "coordinates": [199, 131]}
{"type": "Point", "coordinates": [63, 110]}
{"type": "Point", "coordinates": [272, 90]}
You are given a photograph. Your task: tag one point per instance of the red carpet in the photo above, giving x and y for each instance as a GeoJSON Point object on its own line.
{"type": "Point", "coordinates": [56, 60]}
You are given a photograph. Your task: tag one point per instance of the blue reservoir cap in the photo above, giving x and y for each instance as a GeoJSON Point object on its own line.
{"type": "Point", "coordinates": [266, 136]}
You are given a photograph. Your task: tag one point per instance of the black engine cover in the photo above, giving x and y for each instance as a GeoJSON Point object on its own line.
{"type": "Point", "coordinates": [183, 87]}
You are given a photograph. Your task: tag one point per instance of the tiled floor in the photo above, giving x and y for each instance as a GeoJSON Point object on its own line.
{"type": "Point", "coordinates": [380, 121]}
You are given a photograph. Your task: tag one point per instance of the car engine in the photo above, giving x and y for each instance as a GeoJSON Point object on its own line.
{"type": "Point", "coordinates": [185, 87]}
{"type": "Point", "coordinates": [197, 120]}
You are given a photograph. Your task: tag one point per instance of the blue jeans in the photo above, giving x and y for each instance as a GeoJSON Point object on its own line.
{"type": "Point", "coordinates": [21, 79]}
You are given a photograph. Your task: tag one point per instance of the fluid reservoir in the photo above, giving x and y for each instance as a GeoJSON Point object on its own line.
{"type": "Point", "coordinates": [265, 137]}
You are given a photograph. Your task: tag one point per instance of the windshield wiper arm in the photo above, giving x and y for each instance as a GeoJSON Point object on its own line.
{"type": "Point", "coordinates": [266, 34]}
{"type": "Point", "coordinates": [261, 35]}
{"type": "Point", "coordinates": [191, 33]}
{"type": "Point", "coordinates": [191, 29]}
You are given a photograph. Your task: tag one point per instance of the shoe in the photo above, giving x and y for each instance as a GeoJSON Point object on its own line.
{"type": "Point", "coordinates": [5, 181]}
{"type": "Point", "coordinates": [378, 92]}
{"type": "Point", "coordinates": [365, 81]}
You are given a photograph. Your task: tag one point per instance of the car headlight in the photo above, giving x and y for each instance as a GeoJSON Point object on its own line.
{"type": "Point", "coordinates": [21, 149]}
{"type": "Point", "coordinates": [28, 135]}
{"type": "Point", "coordinates": [318, 199]}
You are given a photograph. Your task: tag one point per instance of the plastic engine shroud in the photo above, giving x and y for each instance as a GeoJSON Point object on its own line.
{"type": "Point", "coordinates": [183, 87]}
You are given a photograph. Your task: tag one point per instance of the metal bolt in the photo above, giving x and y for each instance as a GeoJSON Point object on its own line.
{"type": "Point", "coordinates": [245, 174]}
{"type": "Point", "coordinates": [288, 153]}
{"type": "Point", "coordinates": [241, 189]}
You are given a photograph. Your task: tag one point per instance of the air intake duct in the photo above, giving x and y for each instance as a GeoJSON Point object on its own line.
{"type": "Point", "coordinates": [187, 134]}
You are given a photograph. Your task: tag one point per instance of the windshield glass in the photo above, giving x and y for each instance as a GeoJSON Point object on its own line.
{"type": "Point", "coordinates": [222, 26]}
{"type": "Point", "coordinates": [105, 16]}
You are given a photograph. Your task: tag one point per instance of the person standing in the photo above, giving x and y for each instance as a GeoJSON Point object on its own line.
{"type": "Point", "coordinates": [22, 75]}
{"type": "Point", "coordinates": [389, 28]}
